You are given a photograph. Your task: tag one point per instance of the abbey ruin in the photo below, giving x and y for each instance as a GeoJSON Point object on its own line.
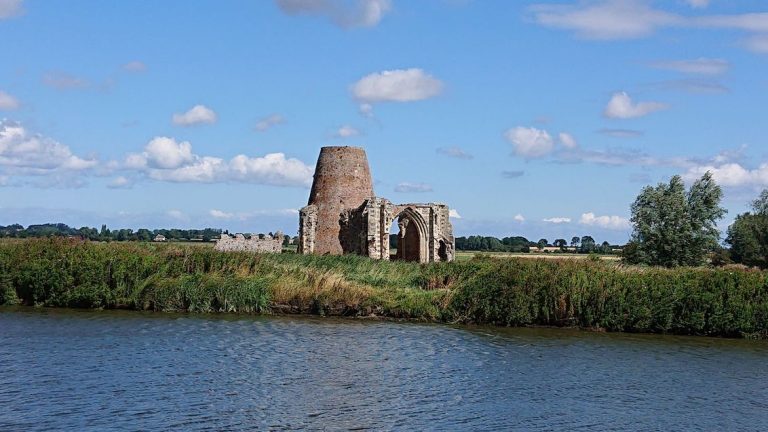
{"type": "Point", "coordinates": [345, 216]}
{"type": "Point", "coordinates": [256, 243]}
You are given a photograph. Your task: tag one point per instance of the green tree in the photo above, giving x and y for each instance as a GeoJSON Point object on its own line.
{"type": "Point", "coordinates": [587, 244]}
{"type": "Point", "coordinates": [561, 243]}
{"type": "Point", "coordinates": [575, 241]}
{"type": "Point", "coordinates": [672, 227]}
{"type": "Point", "coordinates": [748, 235]}
{"type": "Point", "coordinates": [542, 243]}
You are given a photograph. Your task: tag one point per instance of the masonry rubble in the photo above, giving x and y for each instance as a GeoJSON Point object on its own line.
{"type": "Point", "coordinates": [256, 244]}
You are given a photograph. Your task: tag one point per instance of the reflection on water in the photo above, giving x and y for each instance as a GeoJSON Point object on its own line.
{"type": "Point", "coordinates": [65, 370]}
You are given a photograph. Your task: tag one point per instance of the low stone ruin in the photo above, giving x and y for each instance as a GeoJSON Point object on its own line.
{"type": "Point", "coordinates": [255, 244]}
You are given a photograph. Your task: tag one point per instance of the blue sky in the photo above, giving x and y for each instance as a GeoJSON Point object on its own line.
{"type": "Point", "coordinates": [541, 119]}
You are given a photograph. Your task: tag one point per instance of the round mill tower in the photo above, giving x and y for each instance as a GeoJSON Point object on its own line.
{"type": "Point", "coordinates": [342, 182]}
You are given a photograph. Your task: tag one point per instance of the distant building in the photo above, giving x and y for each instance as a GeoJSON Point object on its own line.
{"type": "Point", "coordinates": [159, 238]}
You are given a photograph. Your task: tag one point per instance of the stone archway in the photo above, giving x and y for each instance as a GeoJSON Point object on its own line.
{"type": "Point", "coordinates": [412, 237]}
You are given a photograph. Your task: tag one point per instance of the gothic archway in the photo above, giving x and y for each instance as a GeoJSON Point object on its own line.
{"type": "Point", "coordinates": [412, 236]}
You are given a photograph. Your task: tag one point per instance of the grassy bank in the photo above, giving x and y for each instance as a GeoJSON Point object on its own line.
{"type": "Point", "coordinates": [511, 292]}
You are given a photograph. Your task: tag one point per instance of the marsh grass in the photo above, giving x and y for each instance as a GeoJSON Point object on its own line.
{"type": "Point", "coordinates": [503, 291]}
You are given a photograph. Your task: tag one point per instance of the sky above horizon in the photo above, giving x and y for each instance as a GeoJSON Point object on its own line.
{"type": "Point", "coordinates": [540, 119]}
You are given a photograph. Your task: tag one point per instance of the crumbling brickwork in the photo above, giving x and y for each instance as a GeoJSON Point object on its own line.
{"type": "Point", "coordinates": [344, 215]}
{"type": "Point", "coordinates": [238, 243]}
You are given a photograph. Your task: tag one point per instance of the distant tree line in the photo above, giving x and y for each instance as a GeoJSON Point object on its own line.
{"type": "Point", "coordinates": [105, 234]}
{"type": "Point", "coordinates": [585, 244]}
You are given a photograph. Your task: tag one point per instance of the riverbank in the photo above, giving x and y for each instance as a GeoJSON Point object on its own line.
{"type": "Point", "coordinates": [506, 292]}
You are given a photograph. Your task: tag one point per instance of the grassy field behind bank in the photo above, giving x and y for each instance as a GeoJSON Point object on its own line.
{"type": "Point", "coordinates": [508, 291]}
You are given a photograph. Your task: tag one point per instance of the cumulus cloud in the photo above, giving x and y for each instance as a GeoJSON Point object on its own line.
{"type": "Point", "coordinates": [607, 222]}
{"type": "Point", "coordinates": [25, 153]}
{"type": "Point", "coordinates": [266, 123]}
{"type": "Point", "coordinates": [166, 159]}
{"type": "Point", "coordinates": [135, 66]}
{"type": "Point", "coordinates": [621, 107]}
{"type": "Point", "coordinates": [198, 114]}
{"type": "Point", "coordinates": [218, 214]}
{"type": "Point", "coordinates": [65, 81]}
{"type": "Point", "coordinates": [346, 131]}
{"type": "Point", "coordinates": [699, 66]}
{"type": "Point", "coordinates": [519, 218]}
{"type": "Point", "coordinates": [567, 140]}
{"type": "Point", "coordinates": [343, 13]}
{"type": "Point", "coordinates": [11, 8]}
{"type": "Point", "coordinates": [120, 182]}
{"type": "Point", "coordinates": [557, 220]}
{"type": "Point", "coordinates": [8, 102]}
{"type": "Point", "coordinates": [406, 187]}
{"type": "Point", "coordinates": [453, 213]}
{"type": "Point", "coordinates": [731, 174]}
{"type": "Point", "coordinates": [530, 142]}
{"type": "Point", "coordinates": [454, 152]}
{"type": "Point", "coordinates": [401, 85]}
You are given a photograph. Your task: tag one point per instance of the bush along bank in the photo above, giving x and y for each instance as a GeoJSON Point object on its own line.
{"type": "Point", "coordinates": [499, 291]}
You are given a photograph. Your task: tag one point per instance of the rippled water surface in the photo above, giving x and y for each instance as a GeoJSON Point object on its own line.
{"type": "Point", "coordinates": [65, 370]}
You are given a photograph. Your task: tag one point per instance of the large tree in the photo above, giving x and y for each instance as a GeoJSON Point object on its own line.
{"type": "Point", "coordinates": [748, 235]}
{"type": "Point", "coordinates": [673, 227]}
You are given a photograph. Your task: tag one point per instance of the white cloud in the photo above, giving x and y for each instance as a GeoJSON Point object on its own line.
{"type": "Point", "coordinates": [406, 187]}
{"type": "Point", "coordinates": [557, 220]}
{"type": "Point", "coordinates": [343, 13]}
{"type": "Point", "coordinates": [454, 214]}
{"type": "Point", "coordinates": [267, 122]}
{"type": "Point", "coordinates": [454, 152]}
{"type": "Point", "coordinates": [402, 85]}
{"type": "Point", "coordinates": [10, 8]}
{"type": "Point", "coordinates": [135, 66]}
{"type": "Point", "coordinates": [697, 4]}
{"type": "Point", "coordinates": [607, 222]}
{"type": "Point", "coordinates": [24, 153]}
{"type": "Point", "coordinates": [622, 19]}
{"type": "Point", "coordinates": [757, 43]}
{"type": "Point", "coordinates": [198, 114]}
{"type": "Point", "coordinates": [631, 19]}
{"type": "Point", "coordinates": [8, 102]}
{"type": "Point", "coordinates": [567, 140]}
{"type": "Point", "coordinates": [65, 81]}
{"type": "Point", "coordinates": [164, 152]}
{"type": "Point", "coordinates": [699, 66]}
{"type": "Point", "coordinates": [165, 159]}
{"type": "Point", "coordinates": [365, 110]}
{"type": "Point", "coordinates": [731, 174]}
{"type": "Point", "coordinates": [120, 182]}
{"type": "Point", "coordinates": [621, 107]}
{"type": "Point", "coordinates": [530, 142]}
{"type": "Point", "coordinates": [346, 131]}
{"type": "Point", "coordinates": [520, 218]}
{"type": "Point", "coordinates": [218, 214]}
{"type": "Point", "coordinates": [177, 215]}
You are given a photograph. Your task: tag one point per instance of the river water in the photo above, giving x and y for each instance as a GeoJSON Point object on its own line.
{"type": "Point", "coordinates": [82, 371]}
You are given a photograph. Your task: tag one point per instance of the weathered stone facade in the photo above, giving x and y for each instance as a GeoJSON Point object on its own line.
{"type": "Point", "coordinates": [256, 244]}
{"type": "Point", "coordinates": [344, 215]}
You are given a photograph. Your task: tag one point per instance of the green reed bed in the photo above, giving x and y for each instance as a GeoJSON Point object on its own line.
{"type": "Point", "coordinates": [502, 291]}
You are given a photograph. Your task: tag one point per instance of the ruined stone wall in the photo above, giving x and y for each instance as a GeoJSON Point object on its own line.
{"type": "Point", "coordinates": [342, 183]}
{"type": "Point", "coordinates": [238, 243]}
{"type": "Point", "coordinates": [344, 216]}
